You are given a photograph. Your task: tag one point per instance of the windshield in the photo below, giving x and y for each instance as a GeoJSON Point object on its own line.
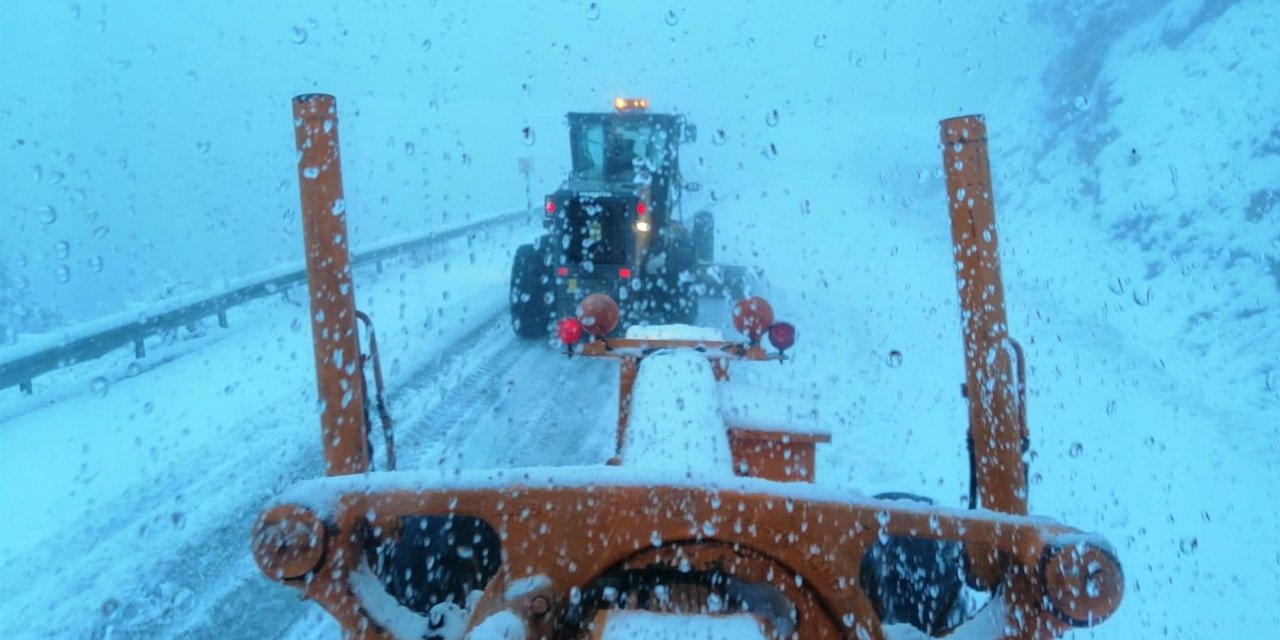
{"type": "Point", "coordinates": [159, 348]}
{"type": "Point", "coordinates": [617, 149]}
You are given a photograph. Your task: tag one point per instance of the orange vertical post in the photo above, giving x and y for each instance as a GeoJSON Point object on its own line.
{"type": "Point", "coordinates": [627, 369]}
{"type": "Point", "coordinates": [333, 317]}
{"type": "Point", "coordinates": [994, 428]}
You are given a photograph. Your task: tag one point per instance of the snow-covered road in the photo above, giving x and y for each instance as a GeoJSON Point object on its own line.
{"type": "Point", "coordinates": [154, 480]}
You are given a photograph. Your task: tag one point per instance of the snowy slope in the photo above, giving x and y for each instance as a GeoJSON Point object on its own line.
{"type": "Point", "coordinates": [1135, 149]}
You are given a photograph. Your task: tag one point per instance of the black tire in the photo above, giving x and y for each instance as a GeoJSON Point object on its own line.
{"type": "Point", "coordinates": [530, 294]}
{"type": "Point", "coordinates": [914, 580]}
{"type": "Point", "coordinates": [435, 559]}
{"type": "Point", "coordinates": [678, 300]}
{"type": "Point", "coordinates": [704, 237]}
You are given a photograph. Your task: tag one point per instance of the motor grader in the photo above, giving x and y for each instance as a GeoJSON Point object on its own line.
{"type": "Point", "coordinates": [616, 225]}
{"type": "Point", "coordinates": [706, 522]}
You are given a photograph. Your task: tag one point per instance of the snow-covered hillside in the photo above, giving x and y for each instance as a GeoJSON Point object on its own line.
{"type": "Point", "coordinates": [1135, 146]}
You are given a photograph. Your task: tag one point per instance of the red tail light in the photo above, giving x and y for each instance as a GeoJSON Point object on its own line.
{"type": "Point", "coordinates": [624, 272]}
{"type": "Point", "coordinates": [570, 330]}
{"type": "Point", "coordinates": [562, 271]}
{"type": "Point", "coordinates": [641, 208]}
{"type": "Point", "coordinates": [550, 206]}
{"type": "Point", "coordinates": [782, 335]}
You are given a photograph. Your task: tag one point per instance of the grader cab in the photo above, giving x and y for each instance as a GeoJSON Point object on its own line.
{"type": "Point", "coordinates": [706, 523]}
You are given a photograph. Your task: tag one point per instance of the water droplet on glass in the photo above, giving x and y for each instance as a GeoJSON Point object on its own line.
{"type": "Point", "coordinates": [655, 539]}
{"type": "Point", "coordinates": [1189, 545]}
{"type": "Point", "coordinates": [770, 151]}
{"type": "Point", "coordinates": [202, 147]}
{"type": "Point", "coordinates": [1116, 285]}
{"type": "Point", "coordinates": [593, 11]}
{"type": "Point", "coordinates": [299, 35]}
{"type": "Point", "coordinates": [895, 359]}
{"type": "Point", "coordinates": [1076, 450]}
{"type": "Point", "coordinates": [528, 136]}
{"type": "Point", "coordinates": [426, 44]}
{"type": "Point", "coordinates": [311, 173]}
{"type": "Point", "coordinates": [95, 264]}
{"type": "Point", "coordinates": [771, 118]}
{"type": "Point", "coordinates": [820, 40]}
{"type": "Point", "coordinates": [100, 386]}
{"type": "Point", "coordinates": [1111, 408]}
{"type": "Point", "coordinates": [62, 249]}
{"type": "Point", "coordinates": [1082, 104]}
{"type": "Point", "coordinates": [47, 214]}
{"type": "Point", "coordinates": [409, 149]}
{"type": "Point", "coordinates": [672, 19]}
{"type": "Point", "coordinates": [1142, 299]}
{"type": "Point", "coordinates": [62, 273]}
{"type": "Point", "coordinates": [101, 232]}
{"type": "Point", "coordinates": [718, 137]}
{"type": "Point", "coordinates": [148, 407]}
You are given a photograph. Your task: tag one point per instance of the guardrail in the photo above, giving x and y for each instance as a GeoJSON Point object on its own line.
{"type": "Point", "coordinates": [20, 364]}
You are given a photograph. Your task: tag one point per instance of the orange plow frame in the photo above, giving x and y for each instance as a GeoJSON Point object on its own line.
{"type": "Point", "coordinates": [564, 528]}
{"type": "Point", "coordinates": [1056, 577]}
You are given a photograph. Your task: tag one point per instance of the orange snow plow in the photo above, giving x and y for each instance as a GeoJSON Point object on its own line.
{"type": "Point", "coordinates": [706, 523]}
